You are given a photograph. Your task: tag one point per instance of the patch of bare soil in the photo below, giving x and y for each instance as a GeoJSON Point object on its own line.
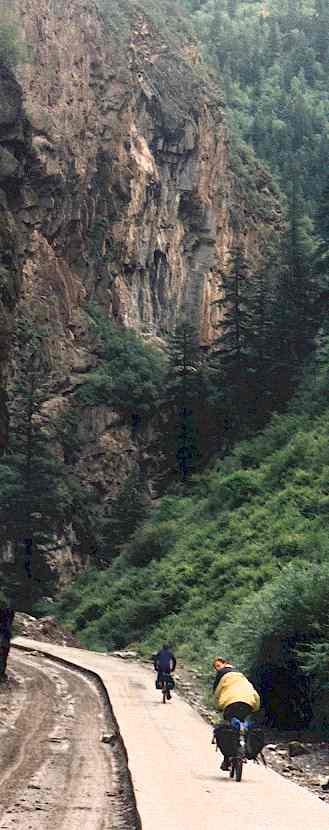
{"type": "Point", "coordinates": [44, 629]}
{"type": "Point", "coordinates": [55, 769]}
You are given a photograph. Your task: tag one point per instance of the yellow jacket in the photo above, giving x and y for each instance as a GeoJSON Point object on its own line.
{"type": "Point", "coordinates": [235, 688]}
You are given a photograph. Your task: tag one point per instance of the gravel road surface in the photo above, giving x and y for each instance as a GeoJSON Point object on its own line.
{"type": "Point", "coordinates": [174, 768]}
{"type": "Point", "coordinates": [55, 771]}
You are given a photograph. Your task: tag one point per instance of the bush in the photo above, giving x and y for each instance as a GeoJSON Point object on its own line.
{"type": "Point", "coordinates": [235, 489]}
{"type": "Point", "coordinates": [285, 627]}
{"type": "Point", "coordinates": [130, 373]}
{"type": "Point", "coordinates": [151, 542]}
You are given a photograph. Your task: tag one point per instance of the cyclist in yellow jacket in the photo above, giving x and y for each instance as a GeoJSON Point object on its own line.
{"type": "Point", "coordinates": [234, 695]}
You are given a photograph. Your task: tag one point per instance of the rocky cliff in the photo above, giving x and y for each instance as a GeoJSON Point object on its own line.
{"type": "Point", "coordinates": [135, 202]}
{"type": "Point", "coordinates": [116, 186]}
{"type": "Point", "coordinates": [15, 152]}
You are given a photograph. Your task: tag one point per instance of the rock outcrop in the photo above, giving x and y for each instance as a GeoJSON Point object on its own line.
{"type": "Point", "coordinates": [117, 187]}
{"type": "Point", "coordinates": [15, 150]}
{"type": "Point", "coordinates": [137, 202]}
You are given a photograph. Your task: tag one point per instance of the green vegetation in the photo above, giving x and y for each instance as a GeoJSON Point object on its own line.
{"type": "Point", "coordinates": [129, 374]}
{"type": "Point", "coordinates": [41, 486]}
{"type": "Point", "coordinates": [288, 638]}
{"type": "Point", "coordinates": [12, 51]}
{"type": "Point", "coordinates": [229, 563]}
{"type": "Point", "coordinates": [233, 558]}
{"type": "Point", "coordinates": [272, 64]}
{"type": "Point", "coordinates": [273, 60]}
{"type": "Point", "coordinates": [35, 497]}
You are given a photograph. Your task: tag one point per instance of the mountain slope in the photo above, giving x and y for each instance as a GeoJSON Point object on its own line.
{"type": "Point", "coordinates": [186, 573]}
{"type": "Point", "coordinates": [132, 196]}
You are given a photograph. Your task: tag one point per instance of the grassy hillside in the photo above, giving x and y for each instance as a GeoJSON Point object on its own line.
{"type": "Point", "coordinates": [194, 573]}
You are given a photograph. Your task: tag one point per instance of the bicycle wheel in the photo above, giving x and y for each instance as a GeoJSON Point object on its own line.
{"type": "Point", "coordinates": [164, 695]}
{"type": "Point", "coordinates": [232, 770]}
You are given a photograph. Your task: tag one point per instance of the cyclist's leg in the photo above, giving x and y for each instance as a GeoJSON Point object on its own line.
{"type": "Point", "coordinates": [226, 763]}
{"type": "Point", "coordinates": [166, 679]}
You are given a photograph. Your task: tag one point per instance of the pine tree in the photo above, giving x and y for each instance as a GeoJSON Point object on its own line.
{"type": "Point", "coordinates": [128, 510]}
{"type": "Point", "coordinates": [322, 227]}
{"type": "Point", "coordinates": [184, 396]}
{"type": "Point", "coordinates": [259, 341]}
{"type": "Point", "coordinates": [34, 494]}
{"type": "Point", "coordinates": [230, 353]}
{"type": "Point", "coordinates": [241, 359]}
{"type": "Point", "coordinates": [295, 309]}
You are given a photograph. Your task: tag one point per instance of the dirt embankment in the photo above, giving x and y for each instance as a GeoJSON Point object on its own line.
{"type": "Point", "coordinates": [56, 770]}
{"type": "Point", "coordinates": [44, 629]}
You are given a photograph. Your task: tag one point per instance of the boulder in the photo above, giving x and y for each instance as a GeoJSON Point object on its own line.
{"type": "Point", "coordinates": [296, 748]}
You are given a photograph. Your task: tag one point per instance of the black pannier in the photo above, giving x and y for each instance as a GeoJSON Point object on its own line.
{"type": "Point", "coordinates": [255, 742]}
{"type": "Point", "coordinates": [167, 680]}
{"type": "Point", "coordinates": [227, 739]}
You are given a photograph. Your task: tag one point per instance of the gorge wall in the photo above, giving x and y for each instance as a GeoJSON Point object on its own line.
{"type": "Point", "coordinates": [15, 149]}
{"type": "Point", "coordinates": [116, 185]}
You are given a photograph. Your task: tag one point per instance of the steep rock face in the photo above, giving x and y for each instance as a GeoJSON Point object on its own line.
{"type": "Point", "coordinates": [137, 202]}
{"type": "Point", "coordinates": [15, 152]}
{"type": "Point", "coordinates": [126, 196]}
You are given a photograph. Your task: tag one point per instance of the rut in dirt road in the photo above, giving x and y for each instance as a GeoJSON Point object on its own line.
{"type": "Point", "coordinates": [54, 770]}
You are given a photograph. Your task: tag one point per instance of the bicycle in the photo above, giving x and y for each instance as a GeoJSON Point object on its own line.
{"type": "Point", "coordinates": [239, 758]}
{"type": "Point", "coordinates": [233, 742]}
{"type": "Point", "coordinates": [166, 683]}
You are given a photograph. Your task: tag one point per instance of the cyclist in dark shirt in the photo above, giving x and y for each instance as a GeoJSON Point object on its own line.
{"type": "Point", "coordinates": [164, 662]}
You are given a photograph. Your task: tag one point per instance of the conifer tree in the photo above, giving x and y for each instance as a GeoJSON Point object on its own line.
{"type": "Point", "coordinates": [34, 495]}
{"type": "Point", "coordinates": [184, 396]}
{"type": "Point", "coordinates": [295, 308]}
{"type": "Point", "coordinates": [322, 227]}
{"type": "Point", "coordinates": [230, 355]}
{"type": "Point", "coordinates": [127, 510]}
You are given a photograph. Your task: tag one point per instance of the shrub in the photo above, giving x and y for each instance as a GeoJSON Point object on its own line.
{"type": "Point", "coordinates": [285, 626]}
{"type": "Point", "coordinates": [233, 490]}
{"type": "Point", "coordinates": [151, 542]}
{"type": "Point", "coordinates": [130, 373]}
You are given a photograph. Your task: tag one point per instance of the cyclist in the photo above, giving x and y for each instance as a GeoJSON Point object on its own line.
{"type": "Point", "coordinates": [164, 663]}
{"type": "Point", "coordinates": [234, 695]}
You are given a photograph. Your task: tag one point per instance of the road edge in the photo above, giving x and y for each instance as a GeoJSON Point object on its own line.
{"type": "Point", "coordinates": [97, 679]}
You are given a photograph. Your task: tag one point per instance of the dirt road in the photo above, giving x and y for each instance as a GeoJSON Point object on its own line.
{"type": "Point", "coordinates": [175, 771]}
{"type": "Point", "coordinates": [54, 770]}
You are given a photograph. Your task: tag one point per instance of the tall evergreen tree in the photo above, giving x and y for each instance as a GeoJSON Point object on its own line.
{"type": "Point", "coordinates": [126, 511]}
{"type": "Point", "coordinates": [322, 227]}
{"type": "Point", "coordinates": [230, 353]}
{"type": "Point", "coordinates": [34, 495]}
{"type": "Point", "coordinates": [295, 310]}
{"type": "Point", "coordinates": [184, 398]}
